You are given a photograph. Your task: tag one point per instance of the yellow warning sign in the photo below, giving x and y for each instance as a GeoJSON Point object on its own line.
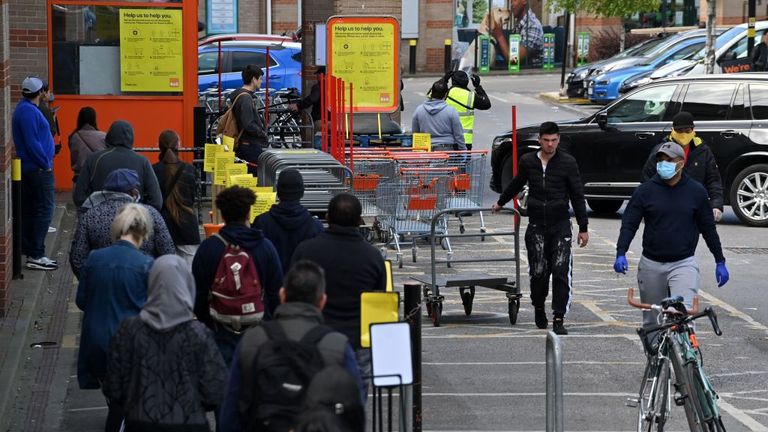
{"type": "Point", "coordinates": [151, 57]}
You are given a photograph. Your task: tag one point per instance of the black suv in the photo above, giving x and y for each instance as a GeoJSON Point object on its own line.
{"type": "Point", "coordinates": [612, 145]}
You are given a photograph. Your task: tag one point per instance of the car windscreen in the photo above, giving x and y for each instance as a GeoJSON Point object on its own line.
{"type": "Point", "coordinates": [676, 55]}
{"type": "Point", "coordinates": [639, 48]}
{"type": "Point", "coordinates": [720, 41]}
{"type": "Point", "coordinates": [647, 48]}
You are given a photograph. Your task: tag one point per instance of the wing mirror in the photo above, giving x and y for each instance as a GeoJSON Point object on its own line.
{"type": "Point", "coordinates": [602, 120]}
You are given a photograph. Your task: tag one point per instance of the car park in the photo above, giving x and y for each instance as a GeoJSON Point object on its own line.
{"type": "Point", "coordinates": [231, 53]}
{"type": "Point", "coordinates": [605, 88]}
{"type": "Point", "coordinates": [612, 145]}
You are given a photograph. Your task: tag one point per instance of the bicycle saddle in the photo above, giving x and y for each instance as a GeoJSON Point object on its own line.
{"type": "Point", "coordinates": [675, 302]}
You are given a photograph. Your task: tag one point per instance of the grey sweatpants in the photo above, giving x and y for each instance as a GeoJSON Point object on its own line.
{"type": "Point", "coordinates": [658, 281]}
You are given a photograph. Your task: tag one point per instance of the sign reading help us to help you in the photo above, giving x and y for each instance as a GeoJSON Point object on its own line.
{"type": "Point", "coordinates": [364, 51]}
{"type": "Point", "coordinates": [151, 56]}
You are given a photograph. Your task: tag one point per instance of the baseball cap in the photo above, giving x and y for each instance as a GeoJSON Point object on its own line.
{"type": "Point", "coordinates": [31, 85]}
{"type": "Point", "coordinates": [122, 180]}
{"type": "Point", "coordinates": [682, 120]}
{"type": "Point", "coordinates": [672, 150]}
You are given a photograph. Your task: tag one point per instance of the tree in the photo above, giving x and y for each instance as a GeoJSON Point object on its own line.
{"type": "Point", "coordinates": [605, 8]}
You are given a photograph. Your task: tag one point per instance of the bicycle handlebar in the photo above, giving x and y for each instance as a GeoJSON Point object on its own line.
{"type": "Point", "coordinates": [693, 314]}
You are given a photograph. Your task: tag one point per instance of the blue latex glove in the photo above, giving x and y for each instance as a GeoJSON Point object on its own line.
{"type": "Point", "coordinates": [721, 274]}
{"type": "Point", "coordinates": [620, 266]}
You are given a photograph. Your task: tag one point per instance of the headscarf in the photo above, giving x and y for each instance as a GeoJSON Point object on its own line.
{"type": "Point", "coordinates": [170, 295]}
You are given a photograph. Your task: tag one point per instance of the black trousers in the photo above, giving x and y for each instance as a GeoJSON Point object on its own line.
{"type": "Point", "coordinates": [549, 254]}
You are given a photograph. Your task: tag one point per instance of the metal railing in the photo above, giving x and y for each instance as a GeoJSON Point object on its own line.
{"type": "Point", "coordinates": [554, 383]}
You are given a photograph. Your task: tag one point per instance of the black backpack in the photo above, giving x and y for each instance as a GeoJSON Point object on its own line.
{"type": "Point", "coordinates": [282, 371]}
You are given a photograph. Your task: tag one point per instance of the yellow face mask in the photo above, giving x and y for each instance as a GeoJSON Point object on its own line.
{"type": "Point", "coordinates": [682, 138]}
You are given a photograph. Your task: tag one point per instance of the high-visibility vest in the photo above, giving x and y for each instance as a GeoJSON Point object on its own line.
{"type": "Point", "coordinates": [464, 102]}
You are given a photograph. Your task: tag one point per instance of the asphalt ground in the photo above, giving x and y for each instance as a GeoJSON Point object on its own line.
{"type": "Point", "coordinates": [480, 372]}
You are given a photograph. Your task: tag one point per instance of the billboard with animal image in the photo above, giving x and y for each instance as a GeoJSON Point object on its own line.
{"type": "Point", "coordinates": [473, 24]}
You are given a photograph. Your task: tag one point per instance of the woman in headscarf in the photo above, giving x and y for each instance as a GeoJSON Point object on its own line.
{"type": "Point", "coordinates": [164, 369]}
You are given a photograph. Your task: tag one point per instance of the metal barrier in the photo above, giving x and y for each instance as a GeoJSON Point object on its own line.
{"type": "Point", "coordinates": [554, 383]}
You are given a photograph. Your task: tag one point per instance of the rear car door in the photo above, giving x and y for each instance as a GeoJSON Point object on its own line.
{"type": "Point", "coordinates": [258, 57]}
{"type": "Point", "coordinates": [207, 70]}
{"type": "Point", "coordinates": [611, 159]}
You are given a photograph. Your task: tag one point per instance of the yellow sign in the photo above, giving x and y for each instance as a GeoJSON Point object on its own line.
{"type": "Point", "coordinates": [244, 180]}
{"type": "Point", "coordinates": [265, 198]}
{"type": "Point", "coordinates": [422, 141]}
{"type": "Point", "coordinates": [364, 51]}
{"type": "Point", "coordinates": [223, 160]}
{"type": "Point", "coordinates": [209, 156]}
{"type": "Point", "coordinates": [236, 169]}
{"type": "Point", "coordinates": [151, 50]}
{"type": "Point", "coordinates": [376, 308]}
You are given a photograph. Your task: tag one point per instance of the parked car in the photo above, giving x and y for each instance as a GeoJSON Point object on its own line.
{"type": "Point", "coordinates": [575, 79]}
{"type": "Point", "coordinates": [239, 50]}
{"type": "Point", "coordinates": [612, 145]}
{"type": "Point", "coordinates": [605, 88]}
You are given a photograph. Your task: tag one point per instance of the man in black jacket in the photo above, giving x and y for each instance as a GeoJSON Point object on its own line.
{"type": "Point", "coordinates": [351, 266]}
{"type": "Point", "coordinates": [675, 210]}
{"type": "Point", "coordinates": [553, 179]}
{"type": "Point", "coordinates": [254, 133]}
{"type": "Point", "coordinates": [288, 223]}
{"type": "Point", "coordinates": [760, 55]}
{"type": "Point", "coordinates": [700, 164]}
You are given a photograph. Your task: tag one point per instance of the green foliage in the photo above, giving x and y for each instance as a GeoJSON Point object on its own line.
{"type": "Point", "coordinates": [605, 8]}
{"type": "Point", "coordinates": [479, 10]}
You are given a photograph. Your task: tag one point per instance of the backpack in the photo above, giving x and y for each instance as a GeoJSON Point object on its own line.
{"type": "Point", "coordinates": [282, 371]}
{"type": "Point", "coordinates": [228, 123]}
{"type": "Point", "coordinates": [236, 298]}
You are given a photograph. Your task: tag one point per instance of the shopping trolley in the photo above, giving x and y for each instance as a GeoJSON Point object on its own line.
{"type": "Point", "coordinates": [469, 183]}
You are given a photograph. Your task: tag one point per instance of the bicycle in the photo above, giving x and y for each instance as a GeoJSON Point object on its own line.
{"type": "Point", "coordinates": [673, 350]}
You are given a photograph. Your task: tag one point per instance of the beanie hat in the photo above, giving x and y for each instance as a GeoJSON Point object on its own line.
{"type": "Point", "coordinates": [290, 185]}
{"type": "Point", "coordinates": [460, 79]}
{"type": "Point", "coordinates": [682, 120]}
{"type": "Point", "coordinates": [121, 180]}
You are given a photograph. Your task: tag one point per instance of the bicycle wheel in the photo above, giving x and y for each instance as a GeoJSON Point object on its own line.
{"type": "Point", "coordinates": [684, 386]}
{"type": "Point", "coordinates": [653, 406]}
{"type": "Point", "coordinates": [705, 400]}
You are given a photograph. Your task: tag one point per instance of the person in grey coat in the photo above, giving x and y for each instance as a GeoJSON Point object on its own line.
{"type": "Point", "coordinates": [86, 140]}
{"type": "Point", "coordinates": [118, 154]}
{"type": "Point", "coordinates": [440, 120]}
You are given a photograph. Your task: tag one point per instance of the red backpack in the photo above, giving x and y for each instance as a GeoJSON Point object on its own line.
{"type": "Point", "coordinates": [236, 299]}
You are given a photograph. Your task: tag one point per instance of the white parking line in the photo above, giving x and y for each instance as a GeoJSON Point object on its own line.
{"type": "Point", "coordinates": [532, 363]}
{"type": "Point", "coordinates": [742, 417]}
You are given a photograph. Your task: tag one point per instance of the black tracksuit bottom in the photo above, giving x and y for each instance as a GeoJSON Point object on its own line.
{"type": "Point", "coordinates": [549, 254]}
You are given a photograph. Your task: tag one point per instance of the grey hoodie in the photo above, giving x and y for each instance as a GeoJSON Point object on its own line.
{"type": "Point", "coordinates": [118, 154]}
{"type": "Point", "coordinates": [170, 295]}
{"type": "Point", "coordinates": [442, 122]}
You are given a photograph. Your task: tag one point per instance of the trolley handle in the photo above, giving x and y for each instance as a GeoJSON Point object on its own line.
{"type": "Point", "coordinates": [645, 306]}
{"type": "Point", "coordinates": [428, 169]}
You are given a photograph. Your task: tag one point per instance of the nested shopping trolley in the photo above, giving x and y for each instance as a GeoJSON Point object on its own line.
{"type": "Point", "coordinates": [468, 184]}
{"type": "Point", "coordinates": [409, 201]}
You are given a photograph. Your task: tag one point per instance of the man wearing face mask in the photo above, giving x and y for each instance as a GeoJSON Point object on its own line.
{"type": "Point", "coordinates": [676, 210]}
{"type": "Point", "coordinates": [700, 164]}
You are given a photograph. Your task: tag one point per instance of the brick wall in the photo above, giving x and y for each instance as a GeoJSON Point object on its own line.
{"type": "Point", "coordinates": [436, 25]}
{"type": "Point", "coordinates": [252, 16]}
{"type": "Point", "coordinates": [5, 152]}
{"type": "Point", "coordinates": [27, 25]}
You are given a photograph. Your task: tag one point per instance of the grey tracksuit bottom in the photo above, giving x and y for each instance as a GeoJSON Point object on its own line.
{"type": "Point", "coordinates": [658, 280]}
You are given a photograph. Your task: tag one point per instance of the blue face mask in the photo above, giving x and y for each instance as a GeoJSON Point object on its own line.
{"type": "Point", "coordinates": [666, 169]}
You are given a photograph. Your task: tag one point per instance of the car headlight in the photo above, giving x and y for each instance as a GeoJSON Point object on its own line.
{"type": "Point", "coordinates": [583, 74]}
{"type": "Point", "coordinates": [497, 142]}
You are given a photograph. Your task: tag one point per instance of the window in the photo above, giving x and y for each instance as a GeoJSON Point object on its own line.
{"type": "Point", "coordinates": [241, 59]}
{"type": "Point", "coordinates": [739, 49]}
{"type": "Point", "coordinates": [648, 105]}
{"type": "Point", "coordinates": [737, 111]}
{"type": "Point", "coordinates": [758, 95]}
{"type": "Point", "coordinates": [206, 63]}
{"type": "Point", "coordinates": [709, 101]}
{"type": "Point", "coordinates": [685, 52]}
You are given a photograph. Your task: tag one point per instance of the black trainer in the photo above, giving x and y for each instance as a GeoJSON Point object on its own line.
{"type": "Point", "coordinates": [540, 316]}
{"type": "Point", "coordinates": [558, 326]}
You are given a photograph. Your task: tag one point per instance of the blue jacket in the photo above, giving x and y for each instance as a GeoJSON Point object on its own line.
{"type": "Point", "coordinates": [113, 287]}
{"type": "Point", "coordinates": [674, 217]}
{"type": "Point", "coordinates": [264, 255]}
{"type": "Point", "coordinates": [32, 137]}
{"type": "Point", "coordinates": [286, 225]}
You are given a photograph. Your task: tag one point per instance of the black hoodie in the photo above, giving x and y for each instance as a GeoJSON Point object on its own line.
{"type": "Point", "coordinates": [262, 251]}
{"type": "Point", "coordinates": [118, 154]}
{"type": "Point", "coordinates": [286, 225]}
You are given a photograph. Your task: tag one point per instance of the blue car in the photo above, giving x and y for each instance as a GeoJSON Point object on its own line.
{"type": "Point", "coordinates": [236, 54]}
{"type": "Point", "coordinates": [605, 88]}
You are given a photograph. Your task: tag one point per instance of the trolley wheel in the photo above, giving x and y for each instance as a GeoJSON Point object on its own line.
{"type": "Point", "coordinates": [413, 254]}
{"type": "Point", "coordinates": [437, 312]}
{"type": "Point", "coordinates": [399, 260]}
{"type": "Point", "coordinates": [467, 298]}
{"type": "Point", "coordinates": [461, 228]}
{"type": "Point", "coordinates": [483, 231]}
{"type": "Point", "coordinates": [429, 309]}
{"type": "Point", "coordinates": [514, 309]}
{"type": "Point", "coordinates": [444, 243]}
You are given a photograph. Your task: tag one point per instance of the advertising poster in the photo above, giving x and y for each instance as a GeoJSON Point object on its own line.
{"type": "Point", "coordinates": [221, 16]}
{"type": "Point", "coordinates": [485, 53]}
{"type": "Point", "coordinates": [583, 48]}
{"type": "Point", "coordinates": [496, 20]}
{"type": "Point", "coordinates": [514, 53]}
{"type": "Point", "coordinates": [364, 51]}
{"type": "Point", "coordinates": [549, 51]}
{"type": "Point", "coordinates": [151, 50]}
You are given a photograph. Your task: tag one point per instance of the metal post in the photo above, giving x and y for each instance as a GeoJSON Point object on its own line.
{"type": "Point", "coordinates": [565, 52]}
{"type": "Point", "coordinates": [709, 61]}
{"type": "Point", "coordinates": [412, 307]}
{"type": "Point", "coordinates": [351, 130]}
{"type": "Point", "coordinates": [750, 27]}
{"type": "Point", "coordinates": [266, 95]}
{"type": "Point", "coordinates": [447, 53]}
{"type": "Point", "coordinates": [323, 113]}
{"type": "Point", "coordinates": [412, 57]}
{"type": "Point", "coordinates": [554, 383]}
{"type": "Point", "coordinates": [16, 209]}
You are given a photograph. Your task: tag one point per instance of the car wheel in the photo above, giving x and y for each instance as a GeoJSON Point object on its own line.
{"type": "Point", "coordinates": [605, 206]}
{"type": "Point", "coordinates": [749, 195]}
{"type": "Point", "coordinates": [506, 179]}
